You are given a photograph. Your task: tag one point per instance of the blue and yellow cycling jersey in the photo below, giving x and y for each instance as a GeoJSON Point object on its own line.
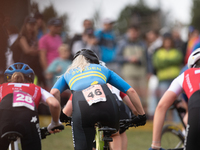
{"type": "Point", "coordinates": [78, 80]}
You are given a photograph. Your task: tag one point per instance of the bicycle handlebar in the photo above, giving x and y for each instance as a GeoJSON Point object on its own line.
{"type": "Point", "coordinates": [45, 132]}
{"type": "Point", "coordinates": [67, 122]}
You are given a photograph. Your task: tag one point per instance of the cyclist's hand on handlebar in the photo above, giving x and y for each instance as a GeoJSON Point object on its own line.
{"type": "Point", "coordinates": [64, 118]}
{"type": "Point", "coordinates": [139, 120]}
{"type": "Point", "coordinates": [53, 125]}
{"type": "Point", "coordinates": [143, 120]}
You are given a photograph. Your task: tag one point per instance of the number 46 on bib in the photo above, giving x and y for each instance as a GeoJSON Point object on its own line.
{"type": "Point", "coordinates": [94, 94]}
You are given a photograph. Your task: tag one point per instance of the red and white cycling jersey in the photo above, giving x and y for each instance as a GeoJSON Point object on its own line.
{"type": "Point", "coordinates": [189, 81]}
{"type": "Point", "coordinates": [36, 92]}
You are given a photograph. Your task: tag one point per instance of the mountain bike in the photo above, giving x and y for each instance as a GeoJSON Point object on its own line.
{"type": "Point", "coordinates": [14, 137]}
{"type": "Point", "coordinates": [172, 136]}
{"type": "Point", "coordinates": [103, 134]}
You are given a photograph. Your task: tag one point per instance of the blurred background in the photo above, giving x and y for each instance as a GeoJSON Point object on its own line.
{"type": "Point", "coordinates": [147, 42]}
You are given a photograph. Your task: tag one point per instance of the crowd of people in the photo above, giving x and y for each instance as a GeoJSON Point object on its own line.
{"type": "Point", "coordinates": [154, 59]}
{"type": "Point", "coordinates": [148, 63]}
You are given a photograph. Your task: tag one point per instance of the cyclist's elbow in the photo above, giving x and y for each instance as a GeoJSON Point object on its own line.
{"type": "Point", "coordinates": [161, 107]}
{"type": "Point", "coordinates": [53, 103]}
{"type": "Point", "coordinates": [55, 93]}
{"type": "Point", "coordinates": [130, 91]}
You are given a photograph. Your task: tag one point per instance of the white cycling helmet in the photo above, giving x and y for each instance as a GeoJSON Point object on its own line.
{"type": "Point", "coordinates": [194, 57]}
{"type": "Point", "coordinates": [102, 63]}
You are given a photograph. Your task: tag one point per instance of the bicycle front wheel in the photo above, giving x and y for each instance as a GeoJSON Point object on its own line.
{"type": "Point", "coordinates": [172, 137]}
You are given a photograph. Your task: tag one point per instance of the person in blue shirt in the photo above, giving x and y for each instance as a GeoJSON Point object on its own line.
{"type": "Point", "coordinates": [60, 64]}
{"type": "Point", "coordinates": [92, 100]}
{"type": "Point", "coordinates": [107, 41]}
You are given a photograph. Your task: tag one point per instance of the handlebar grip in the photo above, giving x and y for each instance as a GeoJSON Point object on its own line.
{"type": "Point", "coordinates": [44, 131]}
{"type": "Point", "coordinates": [61, 127]}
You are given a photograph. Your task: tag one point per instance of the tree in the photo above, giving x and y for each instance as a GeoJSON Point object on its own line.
{"type": "Point", "coordinates": [196, 14]}
{"type": "Point", "coordinates": [140, 15]}
{"type": "Point", "coordinates": [50, 12]}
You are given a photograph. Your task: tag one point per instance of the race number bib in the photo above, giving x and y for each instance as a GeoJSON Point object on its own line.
{"type": "Point", "coordinates": [21, 98]}
{"type": "Point", "coordinates": [94, 94]}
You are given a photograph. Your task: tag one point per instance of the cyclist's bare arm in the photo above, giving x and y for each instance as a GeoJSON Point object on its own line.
{"type": "Point", "coordinates": [67, 110]}
{"type": "Point", "coordinates": [55, 93]}
{"type": "Point", "coordinates": [54, 107]}
{"type": "Point", "coordinates": [135, 100]}
{"type": "Point", "coordinates": [43, 58]}
{"type": "Point", "coordinates": [127, 101]}
{"type": "Point", "coordinates": [26, 48]}
{"type": "Point", "coordinates": [166, 101]}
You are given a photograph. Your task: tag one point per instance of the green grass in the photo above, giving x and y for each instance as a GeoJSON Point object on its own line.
{"type": "Point", "coordinates": [59, 141]}
{"type": "Point", "coordinates": [137, 140]}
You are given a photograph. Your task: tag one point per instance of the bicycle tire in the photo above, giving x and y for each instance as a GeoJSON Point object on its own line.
{"type": "Point", "coordinates": [172, 137]}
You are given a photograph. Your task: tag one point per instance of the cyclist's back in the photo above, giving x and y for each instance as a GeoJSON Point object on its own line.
{"type": "Point", "coordinates": [92, 100]}
{"type": "Point", "coordinates": [19, 100]}
{"type": "Point", "coordinates": [78, 80]}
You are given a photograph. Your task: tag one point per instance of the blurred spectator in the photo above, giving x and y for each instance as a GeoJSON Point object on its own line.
{"type": "Point", "coordinates": [3, 46]}
{"type": "Point", "coordinates": [13, 34]}
{"type": "Point", "coordinates": [192, 41]}
{"type": "Point", "coordinates": [88, 41]}
{"type": "Point", "coordinates": [154, 41]}
{"type": "Point", "coordinates": [178, 43]}
{"type": "Point", "coordinates": [192, 44]}
{"type": "Point", "coordinates": [167, 61]}
{"type": "Point", "coordinates": [60, 64]}
{"type": "Point", "coordinates": [49, 43]}
{"type": "Point", "coordinates": [40, 25]}
{"type": "Point", "coordinates": [131, 53]}
{"type": "Point", "coordinates": [107, 42]}
{"type": "Point", "coordinates": [87, 23]}
{"type": "Point", "coordinates": [26, 50]}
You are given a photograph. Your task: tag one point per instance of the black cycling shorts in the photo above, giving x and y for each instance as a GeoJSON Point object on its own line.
{"type": "Point", "coordinates": [22, 120]}
{"type": "Point", "coordinates": [125, 113]}
{"type": "Point", "coordinates": [192, 141]}
{"type": "Point", "coordinates": [84, 117]}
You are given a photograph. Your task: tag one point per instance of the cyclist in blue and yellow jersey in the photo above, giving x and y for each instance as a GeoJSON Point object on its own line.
{"type": "Point", "coordinates": [92, 100]}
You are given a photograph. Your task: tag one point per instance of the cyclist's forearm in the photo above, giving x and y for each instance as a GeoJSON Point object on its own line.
{"type": "Point", "coordinates": [67, 110]}
{"type": "Point", "coordinates": [159, 116]}
{"type": "Point", "coordinates": [54, 107]}
{"type": "Point", "coordinates": [128, 102]}
{"type": "Point", "coordinates": [135, 100]}
{"type": "Point", "coordinates": [55, 93]}
{"type": "Point", "coordinates": [158, 122]}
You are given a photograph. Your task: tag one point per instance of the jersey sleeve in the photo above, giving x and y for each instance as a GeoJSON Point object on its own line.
{"type": "Point", "coordinates": [176, 85]}
{"type": "Point", "coordinates": [122, 94]}
{"type": "Point", "coordinates": [118, 82]}
{"type": "Point", "coordinates": [45, 95]}
{"type": "Point", "coordinates": [61, 84]}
